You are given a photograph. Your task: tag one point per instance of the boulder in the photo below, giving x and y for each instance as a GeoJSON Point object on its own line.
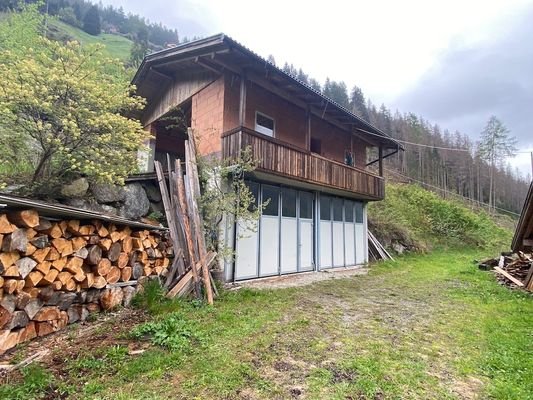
{"type": "Point", "coordinates": [75, 189]}
{"type": "Point", "coordinates": [107, 193]}
{"type": "Point", "coordinates": [136, 203]}
{"type": "Point", "coordinates": [153, 193]}
{"type": "Point", "coordinates": [398, 247]}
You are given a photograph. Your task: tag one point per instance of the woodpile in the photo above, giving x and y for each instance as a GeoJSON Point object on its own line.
{"type": "Point", "coordinates": [53, 273]}
{"type": "Point", "coordinates": [190, 271]}
{"type": "Point", "coordinates": [512, 269]}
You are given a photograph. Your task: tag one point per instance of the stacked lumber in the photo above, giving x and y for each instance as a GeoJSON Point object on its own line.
{"type": "Point", "coordinates": [190, 271]}
{"type": "Point", "coordinates": [376, 250]}
{"type": "Point", "coordinates": [512, 269]}
{"type": "Point", "coordinates": [57, 272]}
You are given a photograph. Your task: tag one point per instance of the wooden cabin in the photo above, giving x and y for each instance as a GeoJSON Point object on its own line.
{"type": "Point", "coordinates": [523, 237]}
{"type": "Point", "coordinates": [313, 153]}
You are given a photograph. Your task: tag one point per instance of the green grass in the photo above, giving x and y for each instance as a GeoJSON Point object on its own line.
{"type": "Point", "coordinates": [116, 45]}
{"type": "Point", "coordinates": [423, 327]}
{"type": "Point", "coordinates": [421, 219]}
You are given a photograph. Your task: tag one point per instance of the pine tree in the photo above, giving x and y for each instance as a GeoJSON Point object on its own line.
{"type": "Point", "coordinates": [91, 21]}
{"type": "Point", "coordinates": [358, 103]}
{"type": "Point", "coordinates": [494, 147]}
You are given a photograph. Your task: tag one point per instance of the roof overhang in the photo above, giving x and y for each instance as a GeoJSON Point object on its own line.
{"type": "Point", "coordinates": [220, 54]}
{"type": "Point", "coordinates": [524, 230]}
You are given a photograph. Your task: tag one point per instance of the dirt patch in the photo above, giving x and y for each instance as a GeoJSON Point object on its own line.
{"type": "Point", "coordinates": [302, 279]}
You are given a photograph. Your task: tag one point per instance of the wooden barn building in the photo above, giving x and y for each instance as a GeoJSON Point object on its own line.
{"type": "Point", "coordinates": [313, 153]}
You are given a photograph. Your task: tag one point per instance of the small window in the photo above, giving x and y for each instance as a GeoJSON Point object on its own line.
{"type": "Point", "coordinates": [288, 203]}
{"type": "Point", "coordinates": [337, 209]}
{"type": "Point", "coordinates": [359, 213]}
{"type": "Point", "coordinates": [264, 124]}
{"type": "Point", "coordinates": [306, 205]}
{"type": "Point", "coordinates": [348, 211]}
{"type": "Point", "coordinates": [271, 194]}
{"type": "Point", "coordinates": [325, 208]}
{"type": "Point", "coordinates": [316, 146]}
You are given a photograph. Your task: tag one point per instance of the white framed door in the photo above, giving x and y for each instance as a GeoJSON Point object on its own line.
{"type": "Point", "coordinates": [306, 231]}
{"type": "Point", "coordinates": [360, 236]}
{"type": "Point", "coordinates": [269, 232]}
{"type": "Point", "coordinates": [338, 232]}
{"type": "Point", "coordinates": [289, 232]}
{"type": "Point", "coordinates": [247, 243]}
{"type": "Point", "coordinates": [325, 233]}
{"type": "Point", "coordinates": [349, 233]}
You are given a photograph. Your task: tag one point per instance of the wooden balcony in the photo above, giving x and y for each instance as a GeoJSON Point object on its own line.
{"type": "Point", "coordinates": [285, 160]}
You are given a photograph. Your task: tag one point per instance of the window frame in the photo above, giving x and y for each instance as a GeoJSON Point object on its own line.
{"type": "Point", "coordinates": [263, 129]}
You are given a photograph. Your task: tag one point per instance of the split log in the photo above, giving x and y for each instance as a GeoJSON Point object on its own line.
{"type": "Point", "coordinates": [44, 328]}
{"type": "Point", "coordinates": [33, 279]}
{"type": "Point", "coordinates": [25, 218]}
{"type": "Point", "coordinates": [115, 236]}
{"type": "Point", "coordinates": [19, 319]}
{"type": "Point", "coordinates": [82, 253]}
{"type": "Point", "coordinates": [70, 285]}
{"type": "Point", "coordinates": [65, 300]}
{"type": "Point", "coordinates": [44, 224]}
{"type": "Point", "coordinates": [54, 231]}
{"type": "Point", "coordinates": [74, 265]}
{"type": "Point", "coordinates": [99, 282]}
{"type": "Point", "coordinates": [44, 267]}
{"type": "Point", "coordinates": [103, 267]}
{"type": "Point", "coordinates": [64, 246]}
{"type": "Point", "coordinates": [111, 298]}
{"type": "Point", "coordinates": [50, 277]}
{"type": "Point", "coordinates": [127, 244]}
{"type": "Point", "coordinates": [94, 256]}
{"type": "Point", "coordinates": [30, 233]}
{"type": "Point", "coordinates": [123, 260]}
{"type": "Point", "coordinates": [33, 307]}
{"type": "Point", "coordinates": [15, 241]}
{"type": "Point", "coordinates": [28, 333]}
{"type": "Point", "coordinates": [64, 277]}
{"type": "Point", "coordinates": [42, 254]}
{"type": "Point", "coordinates": [73, 226]}
{"type": "Point", "coordinates": [53, 255]}
{"type": "Point", "coordinates": [77, 312]}
{"type": "Point", "coordinates": [5, 225]}
{"type": "Point", "coordinates": [5, 317]}
{"type": "Point", "coordinates": [30, 249]}
{"type": "Point", "coordinates": [25, 266]}
{"type": "Point", "coordinates": [87, 230]}
{"type": "Point", "coordinates": [137, 271]}
{"type": "Point", "coordinates": [12, 272]}
{"type": "Point", "coordinates": [78, 243]}
{"type": "Point", "coordinates": [60, 263]}
{"type": "Point", "coordinates": [113, 276]}
{"type": "Point", "coordinates": [57, 285]}
{"type": "Point", "coordinates": [114, 252]}
{"type": "Point", "coordinates": [89, 280]}
{"type": "Point", "coordinates": [47, 313]}
{"type": "Point", "coordinates": [7, 259]}
{"type": "Point", "coordinates": [10, 285]}
{"type": "Point", "coordinates": [93, 308]}
{"type": "Point", "coordinates": [125, 274]}
{"type": "Point", "coordinates": [8, 340]}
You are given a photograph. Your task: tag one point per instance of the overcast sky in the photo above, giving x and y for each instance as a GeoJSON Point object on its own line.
{"type": "Point", "coordinates": [455, 62]}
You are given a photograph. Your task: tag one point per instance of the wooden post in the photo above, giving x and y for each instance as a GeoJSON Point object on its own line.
{"type": "Point", "coordinates": [242, 101]}
{"type": "Point", "coordinates": [380, 151]}
{"type": "Point", "coordinates": [308, 141]}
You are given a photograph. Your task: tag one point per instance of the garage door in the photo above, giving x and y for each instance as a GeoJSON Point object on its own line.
{"type": "Point", "coordinates": [247, 244]}
{"type": "Point", "coordinates": [269, 231]}
{"type": "Point", "coordinates": [324, 240]}
{"type": "Point", "coordinates": [360, 236]}
{"type": "Point", "coordinates": [306, 233]}
{"type": "Point", "coordinates": [349, 232]}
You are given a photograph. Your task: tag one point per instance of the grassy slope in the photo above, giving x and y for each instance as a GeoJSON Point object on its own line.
{"type": "Point", "coordinates": [420, 217]}
{"type": "Point", "coordinates": [116, 45]}
{"type": "Point", "coordinates": [424, 327]}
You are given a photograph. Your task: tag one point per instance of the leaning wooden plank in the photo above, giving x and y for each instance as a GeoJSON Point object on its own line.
{"type": "Point", "coordinates": [184, 281]}
{"type": "Point", "coordinates": [166, 201]}
{"type": "Point", "coordinates": [528, 282]}
{"type": "Point", "coordinates": [508, 276]}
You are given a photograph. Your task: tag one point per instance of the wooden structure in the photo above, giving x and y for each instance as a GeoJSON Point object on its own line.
{"type": "Point", "coordinates": [523, 237]}
{"type": "Point", "coordinates": [318, 163]}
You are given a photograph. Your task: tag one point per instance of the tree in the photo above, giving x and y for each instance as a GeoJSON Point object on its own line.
{"type": "Point", "coordinates": [358, 103]}
{"type": "Point", "coordinates": [91, 21]}
{"type": "Point", "coordinates": [67, 108]}
{"type": "Point", "coordinates": [494, 147]}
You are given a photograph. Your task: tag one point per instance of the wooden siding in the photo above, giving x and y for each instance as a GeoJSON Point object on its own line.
{"type": "Point", "coordinates": [288, 161]}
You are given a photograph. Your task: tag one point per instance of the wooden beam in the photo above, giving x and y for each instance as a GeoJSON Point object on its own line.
{"type": "Point", "coordinates": [509, 276]}
{"type": "Point", "coordinates": [380, 154]}
{"type": "Point", "coordinates": [528, 242]}
{"type": "Point", "coordinates": [242, 101]}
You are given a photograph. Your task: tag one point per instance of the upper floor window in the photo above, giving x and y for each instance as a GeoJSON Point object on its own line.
{"type": "Point", "coordinates": [264, 124]}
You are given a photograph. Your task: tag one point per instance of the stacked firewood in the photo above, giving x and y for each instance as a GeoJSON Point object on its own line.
{"type": "Point", "coordinates": [57, 272]}
{"type": "Point", "coordinates": [512, 269]}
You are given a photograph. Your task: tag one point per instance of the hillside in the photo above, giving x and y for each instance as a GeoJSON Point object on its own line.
{"type": "Point", "coordinates": [116, 45]}
{"type": "Point", "coordinates": [413, 218]}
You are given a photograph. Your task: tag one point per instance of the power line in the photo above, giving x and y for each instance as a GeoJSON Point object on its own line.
{"type": "Point", "coordinates": [452, 193]}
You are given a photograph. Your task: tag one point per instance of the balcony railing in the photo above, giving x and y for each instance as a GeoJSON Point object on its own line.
{"type": "Point", "coordinates": [286, 160]}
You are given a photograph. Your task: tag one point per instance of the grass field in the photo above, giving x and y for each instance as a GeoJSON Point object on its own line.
{"type": "Point", "coordinates": [424, 327]}
{"type": "Point", "coordinates": [116, 45]}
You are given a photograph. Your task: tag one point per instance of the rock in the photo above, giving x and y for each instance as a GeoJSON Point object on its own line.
{"type": "Point", "coordinates": [153, 193]}
{"type": "Point", "coordinates": [129, 292]}
{"type": "Point", "coordinates": [398, 248]}
{"type": "Point", "coordinates": [111, 298]}
{"type": "Point", "coordinates": [106, 208]}
{"type": "Point", "coordinates": [107, 193]}
{"type": "Point", "coordinates": [136, 203]}
{"type": "Point", "coordinates": [77, 188]}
